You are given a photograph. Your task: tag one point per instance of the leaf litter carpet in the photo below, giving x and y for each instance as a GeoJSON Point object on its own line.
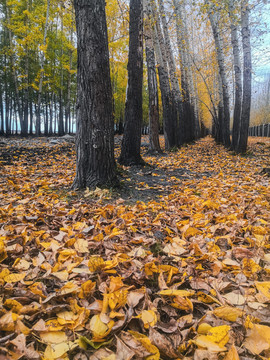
{"type": "Point", "coordinates": [173, 265]}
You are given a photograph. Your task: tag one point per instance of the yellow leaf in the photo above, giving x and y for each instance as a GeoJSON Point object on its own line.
{"type": "Point", "coordinates": [219, 334]}
{"type": "Point", "coordinates": [116, 283]}
{"type": "Point", "coordinates": [182, 303]}
{"type": "Point", "coordinates": [61, 275]}
{"type": "Point", "coordinates": [81, 246]}
{"type": "Point", "coordinates": [264, 288]}
{"type": "Point", "coordinates": [145, 341]}
{"type": "Point", "coordinates": [95, 263]}
{"type": "Point", "coordinates": [86, 289]}
{"type": "Point", "coordinates": [250, 267]}
{"type": "Point", "coordinates": [53, 325]}
{"type": "Point", "coordinates": [207, 299]}
{"type": "Point", "coordinates": [99, 328]}
{"type": "Point", "coordinates": [191, 231]}
{"type": "Point", "coordinates": [68, 288]}
{"type": "Point", "coordinates": [7, 321]}
{"type": "Point", "coordinates": [4, 273]}
{"type": "Point", "coordinates": [149, 318]}
{"type": "Point", "coordinates": [117, 299]}
{"type": "Point", "coordinates": [38, 288]}
{"type": "Point", "coordinates": [14, 305]}
{"type": "Point", "coordinates": [203, 328]}
{"type": "Point", "coordinates": [150, 268]}
{"type": "Point", "coordinates": [55, 351]}
{"type": "Point", "coordinates": [174, 292]}
{"type": "Point", "coordinates": [65, 255]}
{"type": "Point", "coordinates": [3, 253]}
{"type": "Point", "coordinates": [232, 354]}
{"type": "Point", "coordinates": [204, 342]}
{"type": "Point", "coordinates": [66, 317]}
{"type": "Point", "coordinates": [228, 313]}
{"type": "Point", "coordinates": [211, 204]}
{"type": "Point", "coordinates": [12, 278]}
{"type": "Point", "coordinates": [53, 337]}
{"type": "Point", "coordinates": [21, 264]}
{"type": "Point", "coordinates": [258, 339]}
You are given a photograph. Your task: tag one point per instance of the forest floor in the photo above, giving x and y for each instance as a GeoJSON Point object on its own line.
{"type": "Point", "coordinates": [174, 264]}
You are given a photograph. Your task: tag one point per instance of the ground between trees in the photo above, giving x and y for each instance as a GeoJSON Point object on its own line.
{"type": "Point", "coordinates": [175, 263]}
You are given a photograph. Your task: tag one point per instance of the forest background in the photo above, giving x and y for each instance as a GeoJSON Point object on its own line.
{"type": "Point", "coordinates": [38, 63]}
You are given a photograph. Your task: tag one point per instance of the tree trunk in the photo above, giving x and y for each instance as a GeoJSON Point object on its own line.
{"type": "Point", "coordinates": [31, 116]}
{"type": "Point", "coordinates": [214, 20]}
{"type": "Point", "coordinates": [191, 125]}
{"type": "Point", "coordinates": [237, 77]}
{"type": "Point", "coordinates": [51, 115]}
{"type": "Point", "coordinates": [68, 115]}
{"type": "Point", "coordinates": [17, 103]}
{"type": "Point", "coordinates": [38, 131]}
{"type": "Point", "coordinates": [152, 85]}
{"type": "Point", "coordinates": [170, 134]}
{"type": "Point", "coordinates": [95, 138]}
{"type": "Point", "coordinates": [61, 99]}
{"type": "Point", "coordinates": [131, 143]}
{"type": "Point", "coordinates": [1, 111]}
{"type": "Point", "coordinates": [46, 122]}
{"type": "Point", "coordinates": [246, 102]}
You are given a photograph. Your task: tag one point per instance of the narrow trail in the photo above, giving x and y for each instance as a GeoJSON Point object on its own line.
{"type": "Point", "coordinates": [175, 264]}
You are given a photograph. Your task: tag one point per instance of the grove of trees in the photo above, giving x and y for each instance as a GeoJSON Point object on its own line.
{"type": "Point", "coordinates": [182, 67]}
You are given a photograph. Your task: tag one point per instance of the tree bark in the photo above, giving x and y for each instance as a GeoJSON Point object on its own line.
{"type": "Point", "coordinates": [152, 85]}
{"type": "Point", "coordinates": [169, 114]}
{"type": "Point", "coordinates": [131, 143]}
{"type": "Point", "coordinates": [38, 108]}
{"type": "Point", "coordinates": [214, 20]}
{"type": "Point", "coordinates": [95, 138]}
{"type": "Point", "coordinates": [187, 122]}
{"type": "Point", "coordinates": [247, 76]}
{"type": "Point", "coordinates": [61, 97]}
{"type": "Point", "coordinates": [237, 76]}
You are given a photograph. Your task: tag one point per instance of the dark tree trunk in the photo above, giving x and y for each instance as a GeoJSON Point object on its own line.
{"type": "Point", "coordinates": [152, 86]}
{"type": "Point", "coordinates": [95, 138]}
{"type": "Point", "coordinates": [131, 143]}
{"type": "Point", "coordinates": [61, 115]}
{"type": "Point", "coordinates": [214, 20]}
{"type": "Point", "coordinates": [246, 102]}
{"type": "Point", "coordinates": [1, 112]}
{"type": "Point", "coordinates": [51, 116]}
{"type": "Point", "coordinates": [46, 123]}
{"type": "Point", "coordinates": [31, 117]}
{"type": "Point", "coordinates": [237, 77]}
